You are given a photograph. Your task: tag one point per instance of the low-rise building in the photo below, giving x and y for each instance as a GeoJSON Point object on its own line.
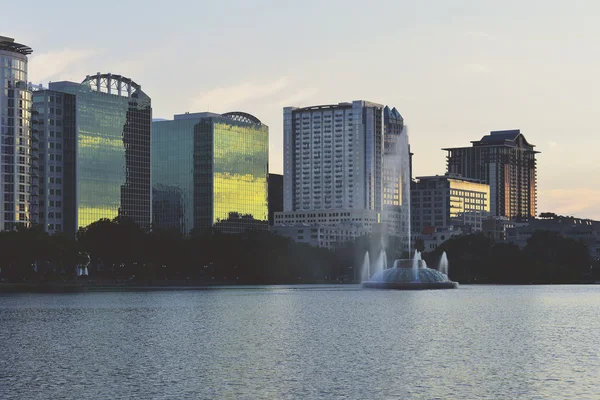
{"type": "Point", "coordinates": [586, 230]}
{"type": "Point", "coordinates": [322, 236]}
{"type": "Point", "coordinates": [431, 237]}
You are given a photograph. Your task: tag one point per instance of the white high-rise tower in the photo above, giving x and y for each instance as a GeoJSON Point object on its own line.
{"type": "Point", "coordinates": [333, 157]}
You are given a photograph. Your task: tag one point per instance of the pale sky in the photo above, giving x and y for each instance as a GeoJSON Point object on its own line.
{"type": "Point", "coordinates": [455, 69]}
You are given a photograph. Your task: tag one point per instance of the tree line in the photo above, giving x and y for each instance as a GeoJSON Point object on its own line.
{"type": "Point", "coordinates": [118, 251]}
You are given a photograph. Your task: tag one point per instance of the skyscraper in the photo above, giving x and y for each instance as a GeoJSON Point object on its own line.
{"type": "Point", "coordinates": [209, 171]}
{"type": "Point", "coordinates": [505, 161]}
{"type": "Point", "coordinates": [333, 157]}
{"type": "Point", "coordinates": [345, 164]}
{"type": "Point", "coordinates": [55, 120]}
{"type": "Point", "coordinates": [106, 158]}
{"type": "Point", "coordinates": [18, 187]}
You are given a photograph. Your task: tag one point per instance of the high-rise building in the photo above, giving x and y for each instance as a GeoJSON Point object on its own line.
{"type": "Point", "coordinates": [449, 201]}
{"type": "Point", "coordinates": [17, 180]}
{"type": "Point", "coordinates": [345, 164]}
{"type": "Point", "coordinates": [209, 171]}
{"type": "Point", "coordinates": [275, 195]}
{"type": "Point", "coordinates": [105, 158]}
{"type": "Point", "coordinates": [333, 157]}
{"type": "Point", "coordinates": [505, 161]}
{"type": "Point", "coordinates": [55, 120]}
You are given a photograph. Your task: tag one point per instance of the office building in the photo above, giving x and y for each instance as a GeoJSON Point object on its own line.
{"type": "Point", "coordinates": [209, 172]}
{"type": "Point", "coordinates": [17, 181]}
{"type": "Point", "coordinates": [275, 196]}
{"type": "Point", "coordinates": [445, 201]}
{"type": "Point", "coordinates": [505, 161]}
{"type": "Point", "coordinates": [105, 159]}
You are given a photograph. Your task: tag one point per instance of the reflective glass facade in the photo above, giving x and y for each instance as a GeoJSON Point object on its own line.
{"type": "Point", "coordinates": [18, 189]}
{"type": "Point", "coordinates": [210, 172]}
{"type": "Point", "coordinates": [241, 156]}
{"type": "Point", "coordinates": [113, 152]}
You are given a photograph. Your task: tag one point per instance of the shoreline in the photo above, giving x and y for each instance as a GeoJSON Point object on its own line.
{"type": "Point", "coordinates": [24, 287]}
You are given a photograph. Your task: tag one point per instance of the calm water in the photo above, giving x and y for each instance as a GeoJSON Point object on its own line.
{"type": "Point", "coordinates": [483, 342]}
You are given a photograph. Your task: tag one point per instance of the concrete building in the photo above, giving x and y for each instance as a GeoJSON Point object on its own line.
{"type": "Point", "coordinates": [586, 230]}
{"type": "Point", "coordinates": [18, 179]}
{"type": "Point", "coordinates": [333, 157]}
{"type": "Point", "coordinates": [449, 201]}
{"type": "Point", "coordinates": [505, 161]}
{"type": "Point", "coordinates": [431, 237]}
{"type": "Point", "coordinates": [318, 235]}
{"type": "Point", "coordinates": [344, 163]}
{"type": "Point", "coordinates": [209, 172]}
{"type": "Point", "coordinates": [55, 119]}
{"type": "Point", "coordinates": [496, 227]}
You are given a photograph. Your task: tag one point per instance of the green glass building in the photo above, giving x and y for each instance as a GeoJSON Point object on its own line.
{"type": "Point", "coordinates": [209, 172]}
{"type": "Point", "coordinates": [112, 157]}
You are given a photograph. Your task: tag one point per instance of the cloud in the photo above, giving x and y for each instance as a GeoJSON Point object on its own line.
{"type": "Point", "coordinates": [223, 98]}
{"type": "Point", "coordinates": [52, 65]}
{"type": "Point", "coordinates": [579, 202]}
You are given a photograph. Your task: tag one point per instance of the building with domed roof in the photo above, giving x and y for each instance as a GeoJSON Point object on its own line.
{"type": "Point", "coordinates": [93, 152]}
{"type": "Point", "coordinates": [210, 172]}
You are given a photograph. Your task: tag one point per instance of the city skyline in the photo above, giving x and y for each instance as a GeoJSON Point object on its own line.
{"type": "Point", "coordinates": [455, 72]}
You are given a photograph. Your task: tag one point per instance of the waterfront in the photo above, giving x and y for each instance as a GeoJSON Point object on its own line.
{"type": "Point", "coordinates": [303, 342]}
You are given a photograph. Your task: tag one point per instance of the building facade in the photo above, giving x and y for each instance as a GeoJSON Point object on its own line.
{"type": "Point", "coordinates": [585, 230]}
{"type": "Point", "coordinates": [505, 161]}
{"type": "Point", "coordinates": [111, 150]}
{"type": "Point", "coordinates": [55, 120]}
{"type": "Point", "coordinates": [317, 235]}
{"type": "Point", "coordinates": [275, 196]}
{"type": "Point", "coordinates": [18, 181]}
{"type": "Point", "coordinates": [333, 157]}
{"type": "Point", "coordinates": [445, 201]}
{"type": "Point", "coordinates": [350, 159]}
{"type": "Point", "coordinates": [209, 172]}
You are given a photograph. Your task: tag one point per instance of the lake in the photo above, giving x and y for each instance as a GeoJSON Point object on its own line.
{"type": "Point", "coordinates": [290, 342]}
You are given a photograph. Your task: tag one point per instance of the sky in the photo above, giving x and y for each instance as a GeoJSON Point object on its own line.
{"type": "Point", "coordinates": [454, 69]}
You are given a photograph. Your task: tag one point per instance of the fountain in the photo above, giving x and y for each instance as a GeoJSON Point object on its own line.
{"type": "Point", "coordinates": [365, 271]}
{"type": "Point", "coordinates": [406, 274]}
{"type": "Point", "coordinates": [410, 275]}
{"type": "Point", "coordinates": [443, 268]}
{"type": "Point", "coordinates": [415, 266]}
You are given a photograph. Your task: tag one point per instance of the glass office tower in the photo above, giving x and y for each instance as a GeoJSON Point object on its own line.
{"type": "Point", "coordinates": [209, 171]}
{"type": "Point", "coordinates": [17, 188]}
{"type": "Point", "coordinates": [114, 118]}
